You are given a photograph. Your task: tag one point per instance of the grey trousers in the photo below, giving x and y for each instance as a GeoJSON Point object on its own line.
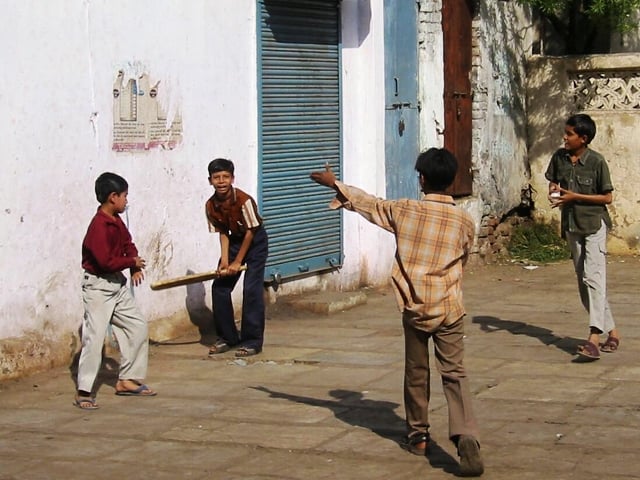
{"type": "Point", "coordinates": [589, 254]}
{"type": "Point", "coordinates": [449, 352]}
{"type": "Point", "coordinates": [107, 300]}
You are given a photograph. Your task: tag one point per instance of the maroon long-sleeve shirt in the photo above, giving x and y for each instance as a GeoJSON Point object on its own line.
{"type": "Point", "coordinates": [107, 247]}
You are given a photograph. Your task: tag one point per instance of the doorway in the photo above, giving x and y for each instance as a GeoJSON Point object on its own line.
{"type": "Point", "coordinates": [457, 16]}
{"type": "Point", "coordinates": [401, 98]}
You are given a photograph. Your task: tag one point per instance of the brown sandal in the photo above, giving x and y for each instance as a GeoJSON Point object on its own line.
{"type": "Point", "coordinates": [589, 351]}
{"type": "Point", "coordinates": [610, 345]}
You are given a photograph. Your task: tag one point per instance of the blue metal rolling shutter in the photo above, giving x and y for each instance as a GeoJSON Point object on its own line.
{"type": "Point", "coordinates": [299, 130]}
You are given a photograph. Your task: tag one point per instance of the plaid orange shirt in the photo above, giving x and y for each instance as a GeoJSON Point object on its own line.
{"type": "Point", "coordinates": [434, 238]}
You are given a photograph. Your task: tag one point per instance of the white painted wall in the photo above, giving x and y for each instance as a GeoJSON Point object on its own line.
{"type": "Point", "coordinates": [368, 250]}
{"type": "Point", "coordinates": [59, 62]}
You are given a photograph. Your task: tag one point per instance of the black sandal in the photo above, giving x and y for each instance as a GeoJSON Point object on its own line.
{"type": "Point", "coordinates": [416, 443]}
{"type": "Point", "coordinates": [247, 352]}
{"type": "Point", "coordinates": [219, 347]}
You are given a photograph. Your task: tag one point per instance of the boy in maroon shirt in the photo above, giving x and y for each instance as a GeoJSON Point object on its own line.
{"type": "Point", "coordinates": [107, 249]}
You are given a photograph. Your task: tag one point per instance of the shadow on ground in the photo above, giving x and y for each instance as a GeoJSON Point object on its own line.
{"type": "Point", "coordinates": [107, 375]}
{"type": "Point", "coordinates": [544, 335]}
{"type": "Point", "coordinates": [199, 313]}
{"type": "Point", "coordinates": [378, 416]}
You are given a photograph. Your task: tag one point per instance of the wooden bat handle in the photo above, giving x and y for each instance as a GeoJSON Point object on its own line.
{"type": "Point", "coordinates": [241, 269]}
{"type": "Point", "coordinates": [188, 279]}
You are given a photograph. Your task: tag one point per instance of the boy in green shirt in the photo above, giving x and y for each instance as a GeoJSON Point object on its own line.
{"type": "Point", "coordinates": [580, 184]}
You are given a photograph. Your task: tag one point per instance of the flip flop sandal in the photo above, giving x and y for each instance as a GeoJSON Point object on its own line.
{"type": "Point", "coordinates": [610, 345]}
{"type": "Point", "coordinates": [141, 391]}
{"type": "Point", "coordinates": [589, 351]}
{"type": "Point", "coordinates": [86, 403]}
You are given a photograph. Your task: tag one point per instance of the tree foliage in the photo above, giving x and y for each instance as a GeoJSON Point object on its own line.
{"type": "Point", "coordinates": [618, 14]}
{"type": "Point", "coordinates": [580, 22]}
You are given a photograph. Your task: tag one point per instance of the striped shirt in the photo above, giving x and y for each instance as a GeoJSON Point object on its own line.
{"type": "Point", "coordinates": [433, 238]}
{"type": "Point", "coordinates": [233, 216]}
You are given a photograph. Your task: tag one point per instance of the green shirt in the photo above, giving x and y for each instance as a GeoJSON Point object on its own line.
{"type": "Point", "coordinates": [588, 176]}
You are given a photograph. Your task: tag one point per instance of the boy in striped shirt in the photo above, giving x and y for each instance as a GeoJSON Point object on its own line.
{"type": "Point", "coordinates": [233, 214]}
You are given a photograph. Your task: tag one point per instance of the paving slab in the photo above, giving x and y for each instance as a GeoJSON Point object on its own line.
{"type": "Point", "coordinates": [324, 398]}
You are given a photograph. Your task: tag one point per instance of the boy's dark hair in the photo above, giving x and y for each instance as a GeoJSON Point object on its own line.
{"type": "Point", "coordinates": [583, 125]}
{"type": "Point", "coordinates": [221, 165]}
{"type": "Point", "coordinates": [109, 183]}
{"type": "Point", "coordinates": [438, 166]}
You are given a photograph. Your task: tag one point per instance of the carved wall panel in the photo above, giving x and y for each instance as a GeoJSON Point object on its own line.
{"type": "Point", "coordinates": [606, 90]}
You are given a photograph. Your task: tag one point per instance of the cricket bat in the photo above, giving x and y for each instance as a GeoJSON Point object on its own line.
{"type": "Point", "coordinates": [187, 279]}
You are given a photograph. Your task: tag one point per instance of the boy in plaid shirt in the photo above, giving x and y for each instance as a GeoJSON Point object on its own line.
{"type": "Point", "coordinates": [434, 238]}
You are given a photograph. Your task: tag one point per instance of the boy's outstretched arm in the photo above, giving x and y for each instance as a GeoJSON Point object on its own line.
{"type": "Point", "coordinates": [376, 210]}
{"type": "Point", "coordinates": [327, 178]}
{"type": "Point", "coordinates": [324, 177]}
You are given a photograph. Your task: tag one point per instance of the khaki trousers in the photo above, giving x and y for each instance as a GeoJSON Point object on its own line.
{"type": "Point", "coordinates": [107, 300]}
{"type": "Point", "coordinates": [589, 254]}
{"type": "Point", "coordinates": [448, 352]}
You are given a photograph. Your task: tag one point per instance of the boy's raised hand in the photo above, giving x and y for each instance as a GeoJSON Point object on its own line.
{"type": "Point", "coordinates": [562, 196]}
{"type": "Point", "coordinates": [140, 262]}
{"type": "Point", "coordinates": [326, 177]}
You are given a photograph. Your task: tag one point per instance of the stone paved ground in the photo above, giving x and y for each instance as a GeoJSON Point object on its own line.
{"type": "Point", "coordinates": [324, 399]}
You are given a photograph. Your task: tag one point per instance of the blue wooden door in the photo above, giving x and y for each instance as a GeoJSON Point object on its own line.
{"type": "Point", "coordinates": [401, 98]}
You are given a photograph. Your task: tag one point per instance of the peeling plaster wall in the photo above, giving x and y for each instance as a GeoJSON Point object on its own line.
{"type": "Point", "coordinates": [502, 36]}
{"type": "Point", "coordinates": [431, 72]}
{"type": "Point", "coordinates": [499, 158]}
{"type": "Point", "coordinates": [550, 102]}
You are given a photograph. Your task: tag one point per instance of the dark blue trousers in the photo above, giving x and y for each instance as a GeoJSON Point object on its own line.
{"type": "Point", "coordinates": [251, 334]}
